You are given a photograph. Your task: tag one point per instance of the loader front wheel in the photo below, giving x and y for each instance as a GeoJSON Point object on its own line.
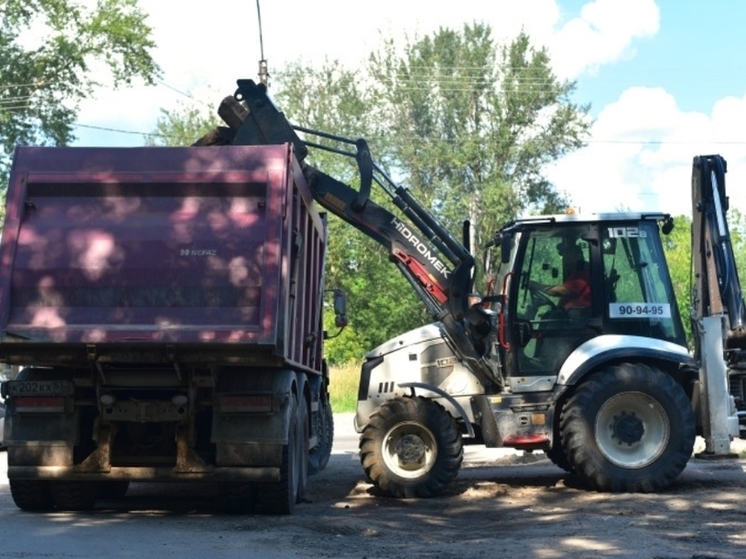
{"type": "Point", "coordinates": [557, 456]}
{"type": "Point", "coordinates": [411, 447]}
{"type": "Point", "coordinates": [628, 428]}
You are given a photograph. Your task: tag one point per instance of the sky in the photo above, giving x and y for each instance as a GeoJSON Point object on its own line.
{"type": "Point", "coordinates": [664, 79]}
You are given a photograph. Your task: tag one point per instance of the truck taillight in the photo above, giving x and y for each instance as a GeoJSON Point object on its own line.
{"type": "Point", "coordinates": [39, 404]}
{"type": "Point", "coordinates": [245, 404]}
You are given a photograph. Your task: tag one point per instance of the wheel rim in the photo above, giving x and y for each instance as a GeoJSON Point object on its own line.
{"type": "Point", "coordinates": [409, 450]}
{"type": "Point", "coordinates": [632, 429]}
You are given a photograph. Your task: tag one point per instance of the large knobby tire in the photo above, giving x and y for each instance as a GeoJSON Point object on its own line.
{"type": "Point", "coordinates": [558, 457]}
{"type": "Point", "coordinates": [556, 453]}
{"type": "Point", "coordinates": [280, 497]}
{"type": "Point", "coordinates": [318, 456]}
{"type": "Point", "coordinates": [31, 495]}
{"type": "Point", "coordinates": [411, 447]}
{"type": "Point", "coordinates": [629, 428]}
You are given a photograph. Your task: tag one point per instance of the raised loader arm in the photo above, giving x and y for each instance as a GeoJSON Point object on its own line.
{"type": "Point", "coordinates": [436, 264]}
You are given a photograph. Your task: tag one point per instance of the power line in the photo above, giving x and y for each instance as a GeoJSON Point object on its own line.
{"type": "Point", "coordinates": [118, 130]}
{"type": "Point", "coordinates": [23, 85]}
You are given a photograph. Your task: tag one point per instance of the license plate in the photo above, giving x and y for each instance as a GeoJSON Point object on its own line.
{"type": "Point", "coordinates": [40, 388]}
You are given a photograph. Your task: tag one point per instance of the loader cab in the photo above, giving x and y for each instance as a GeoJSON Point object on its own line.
{"type": "Point", "coordinates": [567, 279]}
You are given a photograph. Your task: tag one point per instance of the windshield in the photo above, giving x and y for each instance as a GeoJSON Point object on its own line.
{"type": "Point", "coordinates": [639, 290]}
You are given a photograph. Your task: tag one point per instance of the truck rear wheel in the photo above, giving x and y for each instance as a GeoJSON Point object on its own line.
{"type": "Point", "coordinates": [302, 433]}
{"type": "Point", "coordinates": [280, 497]}
{"type": "Point", "coordinates": [114, 489]}
{"type": "Point", "coordinates": [628, 428]}
{"type": "Point", "coordinates": [318, 457]}
{"type": "Point", "coordinates": [74, 495]}
{"type": "Point", "coordinates": [31, 494]}
{"type": "Point", "coordinates": [411, 447]}
{"type": "Point", "coordinates": [238, 497]}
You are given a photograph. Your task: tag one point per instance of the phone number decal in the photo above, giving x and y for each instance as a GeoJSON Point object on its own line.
{"type": "Point", "coordinates": [639, 310]}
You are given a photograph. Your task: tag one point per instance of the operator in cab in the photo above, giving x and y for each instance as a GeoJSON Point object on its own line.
{"type": "Point", "coordinates": [575, 292]}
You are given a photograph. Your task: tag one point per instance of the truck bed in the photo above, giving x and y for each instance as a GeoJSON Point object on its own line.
{"type": "Point", "coordinates": [160, 254]}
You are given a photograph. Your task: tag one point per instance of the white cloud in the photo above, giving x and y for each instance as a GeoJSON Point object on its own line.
{"type": "Point", "coordinates": [641, 154]}
{"type": "Point", "coordinates": [604, 32]}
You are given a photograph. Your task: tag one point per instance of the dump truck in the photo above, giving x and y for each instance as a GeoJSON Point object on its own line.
{"type": "Point", "coordinates": [164, 307]}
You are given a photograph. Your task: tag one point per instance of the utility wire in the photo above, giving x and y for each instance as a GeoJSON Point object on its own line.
{"type": "Point", "coordinates": [119, 130]}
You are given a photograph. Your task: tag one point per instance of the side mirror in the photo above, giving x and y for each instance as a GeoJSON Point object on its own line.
{"type": "Point", "coordinates": [340, 313]}
{"type": "Point", "coordinates": [667, 226]}
{"type": "Point", "coordinates": [506, 245]}
{"type": "Point", "coordinates": [340, 308]}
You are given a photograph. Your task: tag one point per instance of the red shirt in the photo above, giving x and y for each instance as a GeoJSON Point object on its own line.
{"type": "Point", "coordinates": [579, 287]}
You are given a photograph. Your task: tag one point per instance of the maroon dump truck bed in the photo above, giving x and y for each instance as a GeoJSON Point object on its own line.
{"type": "Point", "coordinates": [196, 255]}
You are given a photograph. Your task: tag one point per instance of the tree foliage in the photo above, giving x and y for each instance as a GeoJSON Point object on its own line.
{"type": "Point", "coordinates": [473, 125]}
{"type": "Point", "coordinates": [54, 53]}
{"type": "Point", "coordinates": [183, 125]}
{"type": "Point", "coordinates": [678, 249]}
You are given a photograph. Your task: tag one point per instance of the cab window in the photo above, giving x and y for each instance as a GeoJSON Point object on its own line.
{"type": "Point", "coordinates": [640, 299]}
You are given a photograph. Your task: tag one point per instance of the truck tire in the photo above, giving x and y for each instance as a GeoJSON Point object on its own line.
{"type": "Point", "coordinates": [238, 497]}
{"type": "Point", "coordinates": [629, 428]}
{"type": "Point", "coordinates": [74, 495]}
{"type": "Point", "coordinates": [411, 447]}
{"type": "Point", "coordinates": [318, 456]}
{"type": "Point", "coordinates": [114, 489]}
{"type": "Point", "coordinates": [31, 495]}
{"type": "Point", "coordinates": [280, 497]}
{"type": "Point", "coordinates": [303, 430]}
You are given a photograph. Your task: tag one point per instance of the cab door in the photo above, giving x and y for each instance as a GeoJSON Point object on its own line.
{"type": "Point", "coordinates": [545, 323]}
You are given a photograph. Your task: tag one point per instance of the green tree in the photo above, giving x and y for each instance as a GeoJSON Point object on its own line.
{"type": "Point", "coordinates": [678, 249]}
{"type": "Point", "coordinates": [473, 125]}
{"type": "Point", "coordinates": [54, 53]}
{"type": "Point", "coordinates": [183, 125]}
